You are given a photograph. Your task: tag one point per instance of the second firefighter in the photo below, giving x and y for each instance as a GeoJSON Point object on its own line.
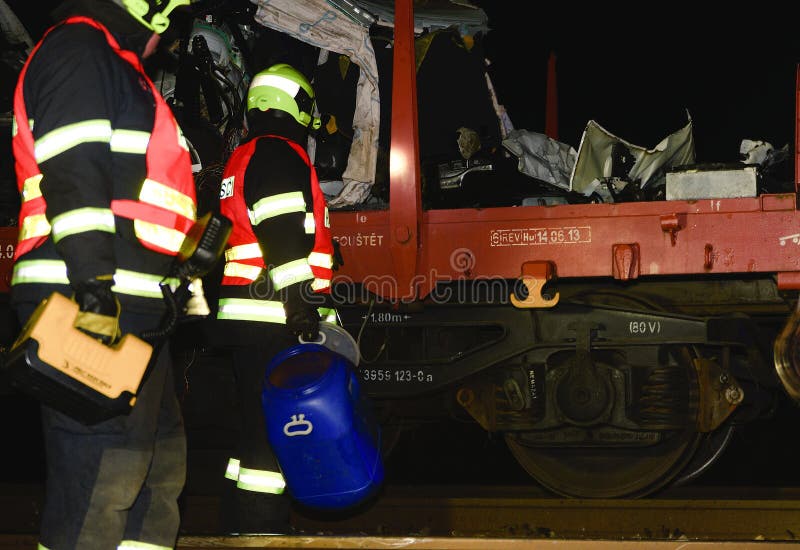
{"type": "Point", "coordinates": [277, 276]}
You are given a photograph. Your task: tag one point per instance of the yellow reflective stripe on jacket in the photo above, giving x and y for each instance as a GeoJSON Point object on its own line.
{"type": "Point", "coordinates": [135, 283]}
{"type": "Point", "coordinates": [81, 220]}
{"type": "Point", "coordinates": [161, 195]}
{"type": "Point", "coordinates": [283, 203]}
{"type": "Point", "coordinates": [290, 272]}
{"type": "Point", "coordinates": [31, 189]}
{"type": "Point", "coordinates": [136, 545]}
{"type": "Point", "coordinates": [40, 271]}
{"type": "Point", "coordinates": [61, 139]}
{"type": "Point", "coordinates": [320, 259]}
{"type": "Point", "coordinates": [55, 271]}
{"type": "Point", "coordinates": [14, 128]}
{"type": "Point", "coordinates": [165, 237]}
{"type": "Point", "coordinates": [320, 284]}
{"type": "Point", "coordinates": [309, 224]}
{"type": "Point", "coordinates": [243, 252]}
{"type": "Point", "coordinates": [34, 226]}
{"type": "Point", "coordinates": [234, 269]}
{"type": "Point", "coordinates": [130, 141]}
{"type": "Point", "coordinates": [266, 311]}
{"type": "Point", "coordinates": [244, 309]}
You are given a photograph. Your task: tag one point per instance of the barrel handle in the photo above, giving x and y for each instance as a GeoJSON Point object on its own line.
{"type": "Point", "coordinates": [320, 340]}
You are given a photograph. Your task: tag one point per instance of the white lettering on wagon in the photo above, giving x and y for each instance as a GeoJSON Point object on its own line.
{"type": "Point", "coordinates": [406, 376]}
{"type": "Point", "coordinates": [794, 238]}
{"type": "Point", "coordinates": [360, 240]}
{"type": "Point", "coordinates": [644, 327]}
{"type": "Point", "coordinates": [540, 235]}
{"type": "Point", "coordinates": [6, 251]}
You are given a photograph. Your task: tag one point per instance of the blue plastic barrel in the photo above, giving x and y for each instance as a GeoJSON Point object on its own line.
{"type": "Point", "coordinates": [321, 428]}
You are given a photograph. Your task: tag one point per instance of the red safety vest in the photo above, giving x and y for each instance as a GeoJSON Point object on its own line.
{"type": "Point", "coordinates": [168, 166]}
{"type": "Point", "coordinates": [242, 234]}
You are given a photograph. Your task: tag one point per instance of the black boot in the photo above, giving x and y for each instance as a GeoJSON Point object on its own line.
{"type": "Point", "coordinates": [252, 513]}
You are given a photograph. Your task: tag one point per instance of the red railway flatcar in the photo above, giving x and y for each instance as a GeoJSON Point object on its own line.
{"type": "Point", "coordinates": [616, 347]}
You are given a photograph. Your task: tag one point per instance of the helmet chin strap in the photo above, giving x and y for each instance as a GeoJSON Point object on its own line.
{"type": "Point", "coordinates": [309, 121]}
{"type": "Point", "coordinates": [152, 45]}
{"type": "Point", "coordinates": [159, 21]}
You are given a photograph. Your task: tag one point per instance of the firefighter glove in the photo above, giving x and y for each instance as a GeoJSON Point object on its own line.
{"type": "Point", "coordinates": [99, 309]}
{"type": "Point", "coordinates": [197, 305]}
{"type": "Point", "coordinates": [302, 318]}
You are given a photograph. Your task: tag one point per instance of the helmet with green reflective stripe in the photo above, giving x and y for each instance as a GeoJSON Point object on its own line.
{"type": "Point", "coordinates": [153, 14]}
{"type": "Point", "coordinates": [283, 88]}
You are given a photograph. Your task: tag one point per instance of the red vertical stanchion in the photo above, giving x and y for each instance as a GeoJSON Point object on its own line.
{"type": "Point", "coordinates": [797, 130]}
{"type": "Point", "coordinates": [405, 203]}
{"type": "Point", "coordinates": [551, 100]}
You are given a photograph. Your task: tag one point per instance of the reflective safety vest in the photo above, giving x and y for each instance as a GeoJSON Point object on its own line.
{"type": "Point", "coordinates": [244, 261]}
{"type": "Point", "coordinates": [164, 208]}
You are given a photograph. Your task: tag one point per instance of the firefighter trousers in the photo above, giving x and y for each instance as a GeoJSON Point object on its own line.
{"type": "Point", "coordinates": [248, 509]}
{"type": "Point", "coordinates": [116, 484]}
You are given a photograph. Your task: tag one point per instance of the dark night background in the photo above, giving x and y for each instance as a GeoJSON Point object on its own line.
{"type": "Point", "coordinates": [635, 70]}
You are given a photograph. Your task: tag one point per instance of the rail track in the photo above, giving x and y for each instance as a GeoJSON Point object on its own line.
{"type": "Point", "coordinates": [488, 517]}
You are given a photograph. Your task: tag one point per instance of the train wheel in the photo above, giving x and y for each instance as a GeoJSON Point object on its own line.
{"type": "Point", "coordinates": [616, 469]}
{"type": "Point", "coordinates": [708, 452]}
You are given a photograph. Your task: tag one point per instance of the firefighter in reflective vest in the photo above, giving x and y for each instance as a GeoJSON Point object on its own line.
{"type": "Point", "coordinates": [277, 275]}
{"type": "Point", "coordinates": [107, 197]}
